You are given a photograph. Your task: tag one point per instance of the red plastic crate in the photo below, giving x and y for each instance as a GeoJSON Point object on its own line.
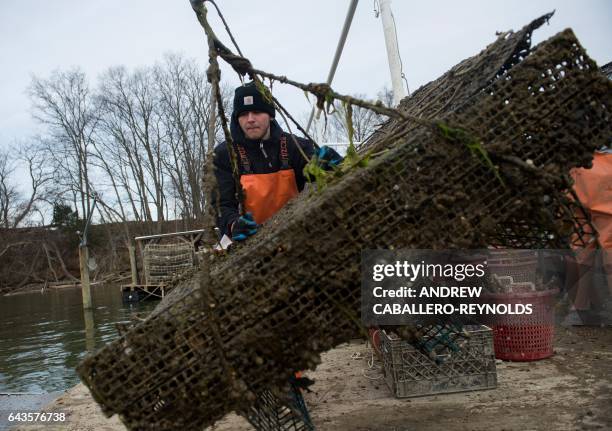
{"type": "Point", "coordinates": [374, 338]}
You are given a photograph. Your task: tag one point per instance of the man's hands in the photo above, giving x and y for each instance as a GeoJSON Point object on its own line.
{"type": "Point", "coordinates": [325, 161]}
{"type": "Point", "coordinates": [244, 227]}
{"type": "Point", "coordinates": [327, 158]}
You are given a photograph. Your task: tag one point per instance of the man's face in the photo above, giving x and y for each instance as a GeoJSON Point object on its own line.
{"type": "Point", "coordinates": [255, 124]}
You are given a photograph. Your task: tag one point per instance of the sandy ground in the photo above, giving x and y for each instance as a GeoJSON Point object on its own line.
{"type": "Point", "coordinates": [570, 391]}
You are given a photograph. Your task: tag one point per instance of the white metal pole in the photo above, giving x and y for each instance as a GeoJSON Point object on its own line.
{"type": "Point", "coordinates": [332, 70]}
{"type": "Point", "coordinates": [399, 92]}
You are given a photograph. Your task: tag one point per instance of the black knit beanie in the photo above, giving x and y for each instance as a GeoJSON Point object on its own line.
{"type": "Point", "coordinates": [248, 98]}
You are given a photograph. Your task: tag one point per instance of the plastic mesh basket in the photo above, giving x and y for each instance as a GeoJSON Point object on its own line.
{"type": "Point", "coordinates": [521, 265]}
{"type": "Point", "coordinates": [525, 337]}
{"type": "Point", "coordinates": [410, 373]}
{"type": "Point", "coordinates": [374, 339]}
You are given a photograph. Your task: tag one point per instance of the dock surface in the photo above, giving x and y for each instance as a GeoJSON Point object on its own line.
{"type": "Point", "coordinates": [570, 391]}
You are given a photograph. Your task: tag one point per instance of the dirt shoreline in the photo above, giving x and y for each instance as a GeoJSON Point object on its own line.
{"type": "Point", "coordinates": [108, 278]}
{"type": "Point", "coordinates": [570, 391]}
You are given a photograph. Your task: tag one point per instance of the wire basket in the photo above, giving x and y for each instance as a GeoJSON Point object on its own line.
{"type": "Point", "coordinates": [271, 413]}
{"type": "Point", "coordinates": [164, 261]}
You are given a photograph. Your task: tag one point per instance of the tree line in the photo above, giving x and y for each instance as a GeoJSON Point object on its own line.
{"type": "Point", "coordinates": [137, 139]}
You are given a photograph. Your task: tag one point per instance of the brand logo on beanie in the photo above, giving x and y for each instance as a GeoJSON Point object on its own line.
{"type": "Point", "coordinates": [248, 100]}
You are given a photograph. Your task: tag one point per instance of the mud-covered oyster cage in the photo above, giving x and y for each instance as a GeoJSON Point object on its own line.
{"type": "Point", "coordinates": [488, 167]}
{"type": "Point", "coordinates": [276, 412]}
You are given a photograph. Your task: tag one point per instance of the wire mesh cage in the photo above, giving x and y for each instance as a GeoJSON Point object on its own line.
{"type": "Point", "coordinates": [162, 262]}
{"type": "Point", "coordinates": [271, 412]}
{"type": "Point", "coordinates": [293, 290]}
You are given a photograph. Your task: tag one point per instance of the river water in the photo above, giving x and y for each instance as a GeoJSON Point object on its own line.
{"type": "Point", "coordinates": [43, 336]}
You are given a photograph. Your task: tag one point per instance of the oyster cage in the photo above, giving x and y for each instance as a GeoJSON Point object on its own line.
{"type": "Point", "coordinates": [271, 413]}
{"type": "Point", "coordinates": [292, 291]}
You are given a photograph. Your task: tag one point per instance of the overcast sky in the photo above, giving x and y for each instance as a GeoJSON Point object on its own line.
{"type": "Point", "coordinates": [289, 37]}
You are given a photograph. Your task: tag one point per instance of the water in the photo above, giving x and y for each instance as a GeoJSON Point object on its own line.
{"type": "Point", "coordinates": [43, 336]}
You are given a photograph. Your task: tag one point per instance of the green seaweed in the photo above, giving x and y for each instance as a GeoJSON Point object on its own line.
{"type": "Point", "coordinates": [265, 92]}
{"type": "Point", "coordinates": [315, 173]}
{"type": "Point", "coordinates": [472, 143]}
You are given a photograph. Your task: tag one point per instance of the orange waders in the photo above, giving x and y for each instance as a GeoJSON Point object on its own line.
{"type": "Point", "coordinates": [594, 189]}
{"type": "Point", "coordinates": [265, 194]}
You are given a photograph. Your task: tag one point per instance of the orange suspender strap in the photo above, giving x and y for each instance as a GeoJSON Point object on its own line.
{"type": "Point", "coordinates": [244, 160]}
{"type": "Point", "coordinates": [284, 153]}
{"type": "Point", "coordinates": [284, 156]}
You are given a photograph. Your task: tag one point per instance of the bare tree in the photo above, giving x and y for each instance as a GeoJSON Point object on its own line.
{"type": "Point", "coordinates": [128, 108]}
{"type": "Point", "coordinates": [138, 140]}
{"type": "Point", "coordinates": [184, 107]}
{"type": "Point", "coordinates": [63, 103]}
{"type": "Point", "coordinates": [8, 191]}
{"type": "Point", "coordinates": [364, 121]}
{"type": "Point", "coordinates": [14, 208]}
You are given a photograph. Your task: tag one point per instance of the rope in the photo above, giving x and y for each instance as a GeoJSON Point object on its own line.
{"type": "Point", "coordinates": [210, 179]}
{"type": "Point", "coordinates": [213, 74]}
{"type": "Point", "coordinates": [232, 60]}
{"type": "Point", "coordinates": [403, 75]}
{"type": "Point", "coordinates": [300, 128]}
{"type": "Point", "coordinates": [239, 65]}
{"type": "Point", "coordinates": [226, 27]}
{"type": "Point", "coordinates": [377, 370]}
{"type": "Point", "coordinates": [295, 142]}
{"type": "Point", "coordinates": [207, 300]}
{"type": "Point", "coordinates": [323, 92]}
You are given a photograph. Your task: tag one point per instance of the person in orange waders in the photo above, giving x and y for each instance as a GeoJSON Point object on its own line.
{"type": "Point", "coordinates": [270, 165]}
{"type": "Point", "coordinates": [594, 189]}
{"type": "Point", "coordinates": [271, 173]}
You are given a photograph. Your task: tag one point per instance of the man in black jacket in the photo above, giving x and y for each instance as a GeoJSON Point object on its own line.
{"type": "Point", "coordinates": [269, 162]}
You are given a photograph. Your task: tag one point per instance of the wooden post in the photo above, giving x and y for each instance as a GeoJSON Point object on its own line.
{"type": "Point", "coordinates": [140, 251]}
{"type": "Point", "coordinates": [90, 332]}
{"type": "Point", "coordinates": [85, 286]}
{"type": "Point", "coordinates": [133, 265]}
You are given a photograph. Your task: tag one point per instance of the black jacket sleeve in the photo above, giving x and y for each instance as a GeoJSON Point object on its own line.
{"type": "Point", "coordinates": [226, 189]}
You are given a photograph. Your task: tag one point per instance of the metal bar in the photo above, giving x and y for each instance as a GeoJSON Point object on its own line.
{"type": "Point", "coordinates": [168, 235]}
{"type": "Point", "coordinates": [332, 71]}
{"type": "Point", "coordinates": [399, 92]}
